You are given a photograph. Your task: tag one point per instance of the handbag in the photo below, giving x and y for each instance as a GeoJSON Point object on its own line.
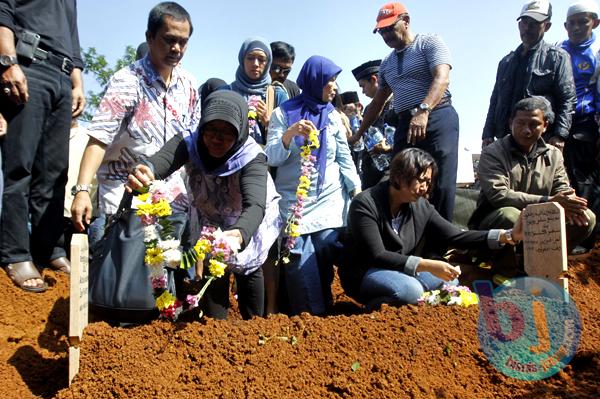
{"type": "Point", "coordinates": [119, 281]}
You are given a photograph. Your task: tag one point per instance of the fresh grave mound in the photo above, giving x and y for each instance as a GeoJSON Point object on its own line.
{"type": "Point", "coordinates": [413, 351]}
{"type": "Point", "coordinates": [396, 352]}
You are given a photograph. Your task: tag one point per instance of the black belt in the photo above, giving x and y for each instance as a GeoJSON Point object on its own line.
{"type": "Point", "coordinates": [63, 63]}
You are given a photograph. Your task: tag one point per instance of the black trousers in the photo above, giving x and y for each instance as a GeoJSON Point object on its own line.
{"type": "Point", "coordinates": [36, 157]}
{"type": "Point", "coordinates": [584, 169]}
{"type": "Point", "coordinates": [441, 142]}
{"type": "Point", "coordinates": [250, 293]}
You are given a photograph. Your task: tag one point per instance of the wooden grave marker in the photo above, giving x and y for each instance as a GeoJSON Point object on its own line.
{"type": "Point", "coordinates": [78, 303]}
{"type": "Point", "coordinates": [545, 242]}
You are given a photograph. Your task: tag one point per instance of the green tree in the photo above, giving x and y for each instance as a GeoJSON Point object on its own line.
{"type": "Point", "coordinates": [97, 66]}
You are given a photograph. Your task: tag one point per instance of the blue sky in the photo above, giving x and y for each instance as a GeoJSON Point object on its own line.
{"type": "Point", "coordinates": [478, 33]}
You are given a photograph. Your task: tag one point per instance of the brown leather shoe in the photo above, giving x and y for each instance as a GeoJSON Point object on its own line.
{"type": "Point", "coordinates": [20, 272]}
{"type": "Point", "coordinates": [61, 264]}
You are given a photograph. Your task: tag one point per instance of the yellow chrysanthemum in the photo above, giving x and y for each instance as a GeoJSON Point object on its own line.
{"type": "Point", "coordinates": [313, 137]}
{"type": "Point", "coordinates": [161, 209]}
{"type": "Point", "coordinates": [202, 247]}
{"type": "Point", "coordinates": [468, 299]}
{"type": "Point", "coordinates": [154, 256]}
{"type": "Point", "coordinates": [302, 193]}
{"type": "Point", "coordinates": [304, 182]}
{"type": "Point", "coordinates": [305, 151]}
{"type": "Point", "coordinates": [165, 300]}
{"type": "Point", "coordinates": [293, 230]}
{"type": "Point", "coordinates": [216, 268]}
{"type": "Point", "coordinates": [143, 197]}
{"type": "Point", "coordinates": [251, 114]}
{"type": "Point", "coordinates": [144, 209]}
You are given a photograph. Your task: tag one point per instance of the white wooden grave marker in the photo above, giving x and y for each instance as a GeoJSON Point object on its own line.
{"type": "Point", "coordinates": [545, 242]}
{"type": "Point", "coordinates": [78, 314]}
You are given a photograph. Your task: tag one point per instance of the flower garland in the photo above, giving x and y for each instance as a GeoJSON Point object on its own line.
{"type": "Point", "coordinates": [292, 225]}
{"type": "Point", "coordinates": [252, 110]}
{"type": "Point", "coordinates": [162, 251]}
{"type": "Point", "coordinates": [449, 295]}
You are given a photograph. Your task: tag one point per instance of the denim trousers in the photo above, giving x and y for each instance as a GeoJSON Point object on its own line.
{"type": "Point", "coordinates": [35, 152]}
{"type": "Point", "coordinates": [441, 142]}
{"type": "Point", "coordinates": [309, 274]}
{"type": "Point", "coordinates": [395, 287]}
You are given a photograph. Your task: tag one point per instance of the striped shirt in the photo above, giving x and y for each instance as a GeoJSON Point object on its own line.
{"type": "Point", "coordinates": [409, 72]}
{"type": "Point", "coordinates": [136, 117]}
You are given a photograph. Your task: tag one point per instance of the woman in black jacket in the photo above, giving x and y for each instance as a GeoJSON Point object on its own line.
{"type": "Point", "coordinates": [386, 224]}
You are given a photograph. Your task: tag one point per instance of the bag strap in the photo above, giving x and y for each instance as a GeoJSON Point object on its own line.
{"type": "Point", "coordinates": [124, 206]}
{"type": "Point", "coordinates": [270, 100]}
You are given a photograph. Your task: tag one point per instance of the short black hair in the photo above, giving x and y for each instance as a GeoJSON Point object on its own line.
{"type": "Point", "coordinates": [283, 50]}
{"type": "Point", "coordinates": [156, 18]}
{"type": "Point", "coordinates": [410, 164]}
{"type": "Point", "coordinates": [534, 103]}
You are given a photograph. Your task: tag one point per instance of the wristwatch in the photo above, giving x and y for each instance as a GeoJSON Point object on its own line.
{"type": "Point", "coordinates": [7, 61]}
{"type": "Point", "coordinates": [421, 107]}
{"type": "Point", "coordinates": [424, 107]}
{"type": "Point", "coordinates": [80, 187]}
{"type": "Point", "coordinates": [509, 237]}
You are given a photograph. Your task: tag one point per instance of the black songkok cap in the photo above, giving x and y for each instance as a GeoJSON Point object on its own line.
{"type": "Point", "coordinates": [349, 97]}
{"type": "Point", "coordinates": [367, 69]}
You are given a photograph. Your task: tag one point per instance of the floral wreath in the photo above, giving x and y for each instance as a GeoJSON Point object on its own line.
{"type": "Point", "coordinates": [449, 295]}
{"type": "Point", "coordinates": [292, 225]}
{"type": "Point", "coordinates": [163, 251]}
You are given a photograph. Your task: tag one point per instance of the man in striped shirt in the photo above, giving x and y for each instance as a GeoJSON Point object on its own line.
{"type": "Point", "coordinates": [417, 73]}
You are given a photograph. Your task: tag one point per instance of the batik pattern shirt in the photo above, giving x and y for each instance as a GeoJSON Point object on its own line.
{"type": "Point", "coordinates": [136, 117]}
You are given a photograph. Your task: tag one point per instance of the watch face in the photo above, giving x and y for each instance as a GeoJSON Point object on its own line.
{"type": "Point", "coordinates": [7, 60]}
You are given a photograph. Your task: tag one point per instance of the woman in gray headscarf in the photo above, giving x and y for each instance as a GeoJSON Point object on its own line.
{"type": "Point", "coordinates": [252, 81]}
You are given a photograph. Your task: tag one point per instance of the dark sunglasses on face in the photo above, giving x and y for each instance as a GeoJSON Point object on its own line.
{"type": "Point", "coordinates": [279, 70]}
{"type": "Point", "coordinates": [389, 28]}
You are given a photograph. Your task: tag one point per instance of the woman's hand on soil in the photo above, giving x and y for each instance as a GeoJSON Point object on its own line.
{"type": "Point", "coordinates": [439, 268]}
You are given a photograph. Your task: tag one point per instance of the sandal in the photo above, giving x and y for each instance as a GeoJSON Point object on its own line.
{"type": "Point", "coordinates": [22, 271]}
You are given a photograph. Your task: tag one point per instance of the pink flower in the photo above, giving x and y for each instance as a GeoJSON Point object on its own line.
{"type": "Point", "coordinates": [148, 220]}
{"type": "Point", "coordinates": [192, 301]}
{"type": "Point", "coordinates": [159, 282]}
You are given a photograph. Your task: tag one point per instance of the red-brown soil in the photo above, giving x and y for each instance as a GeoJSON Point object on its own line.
{"type": "Point", "coordinates": [409, 352]}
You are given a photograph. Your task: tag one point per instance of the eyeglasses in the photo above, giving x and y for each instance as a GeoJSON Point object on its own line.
{"type": "Point", "coordinates": [279, 70]}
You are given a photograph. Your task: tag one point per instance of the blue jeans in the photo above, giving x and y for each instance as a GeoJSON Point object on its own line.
{"type": "Point", "coordinates": [391, 286]}
{"type": "Point", "coordinates": [309, 274]}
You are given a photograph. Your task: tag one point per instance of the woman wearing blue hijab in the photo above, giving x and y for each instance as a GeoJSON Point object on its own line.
{"type": "Point", "coordinates": [332, 182]}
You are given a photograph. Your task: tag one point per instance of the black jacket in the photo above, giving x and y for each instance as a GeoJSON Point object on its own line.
{"type": "Point", "coordinates": [549, 74]}
{"type": "Point", "coordinates": [372, 242]}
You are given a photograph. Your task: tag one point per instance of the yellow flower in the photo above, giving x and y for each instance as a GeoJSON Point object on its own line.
{"type": "Point", "coordinates": [300, 192]}
{"type": "Point", "coordinates": [468, 298]}
{"type": "Point", "coordinates": [305, 151]}
{"type": "Point", "coordinates": [304, 182]}
{"type": "Point", "coordinates": [313, 137]}
{"type": "Point", "coordinates": [251, 114]}
{"type": "Point", "coordinates": [154, 256]}
{"type": "Point", "coordinates": [143, 197]}
{"type": "Point", "coordinates": [216, 268]}
{"type": "Point", "coordinates": [161, 208]}
{"type": "Point", "coordinates": [165, 300]}
{"type": "Point", "coordinates": [144, 209]}
{"type": "Point", "coordinates": [293, 230]}
{"type": "Point", "coordinates": [202, 247]}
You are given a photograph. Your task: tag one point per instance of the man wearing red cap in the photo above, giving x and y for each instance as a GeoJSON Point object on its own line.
{"type": "Point", "coordinates": [417, 73]}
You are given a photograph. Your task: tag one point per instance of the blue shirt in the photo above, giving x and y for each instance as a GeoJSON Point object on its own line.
{"type": "Point", "coordinates": [329, 210]}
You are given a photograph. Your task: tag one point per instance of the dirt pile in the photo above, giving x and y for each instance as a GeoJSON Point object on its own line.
{"type": "Point", "coordinates": [417, 352]}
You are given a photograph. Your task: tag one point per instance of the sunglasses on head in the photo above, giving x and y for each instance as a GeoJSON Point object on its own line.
{"type": "Point", "coordinates": [279, 70]}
